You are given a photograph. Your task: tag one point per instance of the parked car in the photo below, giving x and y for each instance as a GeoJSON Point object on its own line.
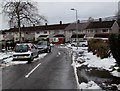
{"type": "Point", "coordinates": [80, 44]}
{"type": "Point", "coordinates": [25, 51]}
{"type": "Point", "coordinates": [44, 46]}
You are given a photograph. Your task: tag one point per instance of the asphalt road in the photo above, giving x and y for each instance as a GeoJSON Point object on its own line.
{"type": "Point", "coordinates": [54, 71]}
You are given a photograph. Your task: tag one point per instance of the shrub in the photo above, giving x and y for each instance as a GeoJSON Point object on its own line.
{"type": "Point", "coordinates": [114, 41]}
{"type": "Point", "coordinates": [98, 47]}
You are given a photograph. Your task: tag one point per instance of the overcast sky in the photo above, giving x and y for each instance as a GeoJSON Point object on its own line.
{"type": "Point", "coordinates": [60, 11]}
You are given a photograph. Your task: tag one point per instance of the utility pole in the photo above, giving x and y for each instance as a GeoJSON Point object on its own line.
{"type": "Point", "coordinates": [76, 26]}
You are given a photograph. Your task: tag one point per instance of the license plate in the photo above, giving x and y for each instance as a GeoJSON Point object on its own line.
{"type": "Point", "coordinates": [20, 56]}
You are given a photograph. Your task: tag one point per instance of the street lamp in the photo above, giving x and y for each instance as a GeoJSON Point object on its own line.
{"type": "Point", "coordinates": [76, 26]}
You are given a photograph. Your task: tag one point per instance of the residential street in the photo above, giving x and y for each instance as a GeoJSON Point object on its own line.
{"type": "Point", "coordinates": [54, 71]}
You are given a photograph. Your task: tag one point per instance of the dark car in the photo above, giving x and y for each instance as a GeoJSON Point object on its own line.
{"type": "Point", "coordinates": [44, 46]}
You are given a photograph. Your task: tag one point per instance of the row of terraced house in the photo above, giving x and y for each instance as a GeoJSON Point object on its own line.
{"type": "Point", "coordinates": [61, 33]}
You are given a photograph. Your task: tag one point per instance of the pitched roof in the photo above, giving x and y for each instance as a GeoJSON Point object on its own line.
{"type": "Point", "coordinates": [100, 24]}
{"type": "Point", "coordinates": [43, 27]}
{"type": "Point", "coordinates": [81, 26]}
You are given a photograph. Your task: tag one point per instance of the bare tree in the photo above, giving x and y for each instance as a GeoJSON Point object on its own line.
{"type": "Point", "coordinates": [90, 19]}
{"type": "Point", "coordinates": [22, 13]}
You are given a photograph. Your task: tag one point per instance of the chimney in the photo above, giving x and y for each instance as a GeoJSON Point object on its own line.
{"type": "Point", "coordinates": [78, 21]}
{"type": "Point", "coordinates": [33, 25]}
{"type": "Point", "coordinates": [45, 24]}
{"type": "Point", "coordinates": [100, 19]}
{"type": "Point", "coordinates": [60, 22]}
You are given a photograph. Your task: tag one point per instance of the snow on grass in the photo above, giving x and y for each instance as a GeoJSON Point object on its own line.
{"type": "Point", "coordinates": [115, 73]}
{"type": "Point", "coordinates": [9, 62]}
{"type": "Point", "coordinates": [82, 57]}
{"type": "Point", "coordinates": [118, 86]}
{"type": "Point", "coordinates": [5, 55]}
{"type": "Point", "coordinates": [92, 60]}
{"type": "Point", "coordinates": [89, 85]}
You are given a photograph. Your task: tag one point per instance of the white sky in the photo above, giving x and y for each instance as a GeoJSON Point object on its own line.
{"type": "Point", "coordinates": [56, 11]}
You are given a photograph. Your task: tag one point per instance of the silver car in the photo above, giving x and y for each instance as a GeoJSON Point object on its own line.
{"type": "Point", "coordinates": [81, 44]}
{"type": "Point", "coordinates": [25, 51]}
{"type": "Point", "coordinates": [44, 46]}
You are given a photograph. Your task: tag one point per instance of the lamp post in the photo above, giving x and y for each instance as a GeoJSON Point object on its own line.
{"type": "Point", "coordinates": [76, 26]}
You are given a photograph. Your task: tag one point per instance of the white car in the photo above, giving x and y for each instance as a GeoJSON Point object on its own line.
{"type": "Point", "coordinates": [25, 51]}
{"type": "Point", "coordinates": [81, 44]}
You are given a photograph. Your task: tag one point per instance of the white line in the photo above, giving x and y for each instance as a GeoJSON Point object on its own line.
{"type": "Point", "coordinates": [59, 53]}
{"type": "Point", "coordinates": [32, 71]}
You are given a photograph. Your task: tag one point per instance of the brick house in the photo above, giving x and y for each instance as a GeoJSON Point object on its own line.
{"type": "Point", "coordinates": [72, 34]}
{"type": "Point", "coordinates": [60, 33]}
{"type": "Point", "coordinates": [101, 28]}
{"type": "Point", "coordinates": [91, 29]}
{"type": "Point", "coordinates": [55, 33]}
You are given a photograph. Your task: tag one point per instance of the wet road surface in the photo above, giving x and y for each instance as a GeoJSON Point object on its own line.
{"type": "Point", "coordinates": [102, 77]}
{"type": "Point", "coordinates": [54, 71]}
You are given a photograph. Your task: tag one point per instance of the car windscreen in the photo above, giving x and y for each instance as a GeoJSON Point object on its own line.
{"type": "Point", "coordinates": [42, 43]}
{"type": "Point", "coordinates": [21, 48]}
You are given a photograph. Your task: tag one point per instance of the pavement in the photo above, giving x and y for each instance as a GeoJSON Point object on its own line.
{"type": "Point", "coordinates": [54, 71]}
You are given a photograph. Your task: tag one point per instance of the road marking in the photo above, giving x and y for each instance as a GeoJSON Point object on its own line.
{"type": "Point", "coordinates": [58, 54]}
{"type": "Point", "coordinates": [32, 71]}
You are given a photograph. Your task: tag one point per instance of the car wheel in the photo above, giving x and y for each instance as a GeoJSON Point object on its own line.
{"type": "Point", "coordinates": [37, 55]}
{"type": "Point", "coordinates": [13, 60]}
{"type": "Point", "coordinates": [73, 45]}
{"type": "Point", "coordinates": [49, 50]}
{"type": "Point", "coordinates": [31, 59]}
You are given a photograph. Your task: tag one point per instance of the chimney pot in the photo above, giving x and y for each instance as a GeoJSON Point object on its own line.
{"type": "Point", "coordinates": [60, 22]}
{"type": "Point", "coordinates": [78, 21]}
{"type": "Point", "coordinates": [33, 25]}
{"type": "Point", "coordinates": [100, 19]}
{"type": "Point", "coordinates": [45, 24]}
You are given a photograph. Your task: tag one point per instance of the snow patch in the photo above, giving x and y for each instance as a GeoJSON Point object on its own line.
{"type": "Point", "coordinates": [93, 61]}
{"type": "Point", "coordinates": [18, 62]}
{"type": "Point", "coordinates": [9, 62]}
{"type": "Point", "coordinates": [115, 73]}
{"type": "Point", "coordinates": [89, 85]}
{"type": "Point", "coordinates": [5, 55]}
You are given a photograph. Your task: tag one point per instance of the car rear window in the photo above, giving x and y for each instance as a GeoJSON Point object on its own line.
{"type": "Point", "coordinates": [21, 48]}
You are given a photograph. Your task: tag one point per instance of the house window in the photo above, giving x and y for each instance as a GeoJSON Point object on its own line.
{"type": "Point", "coordinates": [91, 31]}
{"type": "Point", "coordinates": [88, 31]}
{"type": "Point", "coordinates": [55, 39]}
{"type": "Point", "coordinates": [45, 32]}
{"type": "Point", "coordinates": [105, 30]}
{"type": "Point", "coordinates": [37, 32]}
{"type": "Point", "coordinates": [16, 38]}
{"type": "Point", "coordinates": [95, 31]}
